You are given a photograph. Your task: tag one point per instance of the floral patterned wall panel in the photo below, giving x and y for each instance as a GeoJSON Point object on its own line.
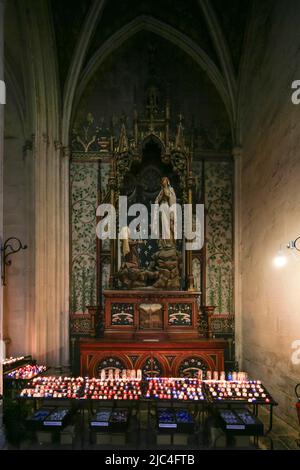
{"type": "Point", "coordinates": [83, 181]}
{"type": "Point", "coordinates": [219, 235]}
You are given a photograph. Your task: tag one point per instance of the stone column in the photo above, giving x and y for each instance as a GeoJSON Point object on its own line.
{"type": "Point", "coordinates": [50, 313]}
{"type": "Point", "coordinates": [29, 317]}
{"type": "Point", "coordinates": [237, 155]}
{"type": "Point", "coordinates": [65, 248]}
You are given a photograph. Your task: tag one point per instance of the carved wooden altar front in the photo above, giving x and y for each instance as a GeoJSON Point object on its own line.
{"type": "Point", "coordinates": [161, 358]}
{"type": "Point", "coordinates": [151, 315]}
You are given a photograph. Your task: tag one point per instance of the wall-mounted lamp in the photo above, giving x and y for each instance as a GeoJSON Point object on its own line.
{"type": "Point", "coordinates": [11, 246]}
{"type": "Point", "coordinates": [280, 259]}
{"type": "Point", "coordinates": [293, 244]}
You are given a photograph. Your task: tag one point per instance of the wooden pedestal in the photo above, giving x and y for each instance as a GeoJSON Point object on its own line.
{"type": "Point", "coordinates": [153, 330]}
{"type": "Point", "coordinates": [160, 358]}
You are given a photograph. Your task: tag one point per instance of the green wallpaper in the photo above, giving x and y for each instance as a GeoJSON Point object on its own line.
{"type": "Point", "coordinates": [83, 180]}
{"type": "Point", "coordinates": [219, 235]}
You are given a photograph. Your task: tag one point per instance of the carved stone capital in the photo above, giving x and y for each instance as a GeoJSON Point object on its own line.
{"type": "Point", "coordinates": [66, 152]}
{"type": "Point", "coordinates": [28, 146]}
{"type": "Point", "coordinates": [58, 145]}
{"type": "Point", "coordinates": [45, 138]}
{"type": "Point", "coordinates": [237, 153]}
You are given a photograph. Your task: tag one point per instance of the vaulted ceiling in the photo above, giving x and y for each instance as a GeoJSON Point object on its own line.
{"type": "Point", "coordinates": [207, 33]}
{"type": "Point", "coordinates": [211, 32]}
{"type": "Point", "coordinates": [186, 17]}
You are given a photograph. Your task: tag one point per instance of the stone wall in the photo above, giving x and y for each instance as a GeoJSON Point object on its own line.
{"type": "Point", "coordinates": [271, 201]}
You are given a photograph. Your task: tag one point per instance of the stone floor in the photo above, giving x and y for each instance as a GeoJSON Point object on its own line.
{"type": "Point", "coordinates": [282, 437]}
{"type": "Point", "coordinates": [2, 434]}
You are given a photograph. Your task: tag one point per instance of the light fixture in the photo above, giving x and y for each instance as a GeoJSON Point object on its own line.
{"type": "Point", "coordinates": [11, 246]}
{"type": "Point", "coordinates": [293, 244]}
{"type": "Point", "coordinates": [280, 260]}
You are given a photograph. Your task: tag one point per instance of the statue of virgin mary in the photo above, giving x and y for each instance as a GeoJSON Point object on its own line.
{"type": "Point", "coordinates": [166, 222]}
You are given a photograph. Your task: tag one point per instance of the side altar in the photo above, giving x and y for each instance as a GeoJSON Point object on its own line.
{"type": "Point", "coordinates": [150, 313]}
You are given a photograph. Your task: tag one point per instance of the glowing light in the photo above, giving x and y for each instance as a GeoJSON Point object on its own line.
{"type": "Point", "coordinates": [280, 260]}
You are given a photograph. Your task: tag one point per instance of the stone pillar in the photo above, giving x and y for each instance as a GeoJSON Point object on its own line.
{"type": "Point", "coordinates": [29, 316]}
{"type": "Point", "coordinates": [237, 155]}
{"type": "Point", "coordinates": [65, 251]}
{"type": "Point", "coordinates": [50, 313]}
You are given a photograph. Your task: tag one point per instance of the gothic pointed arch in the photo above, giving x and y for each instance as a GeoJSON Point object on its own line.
{"type": "Point", "coordinates": [75, 68]}
{"type": "Point", "coordinates": [223, 51]}
{"type": "Point", "coordinates": [150, 24]}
